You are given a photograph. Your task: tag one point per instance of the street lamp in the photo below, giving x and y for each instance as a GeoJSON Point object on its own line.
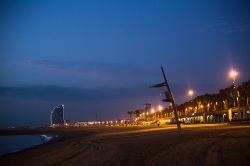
{"type": "Point", "coordinates": [233, 74]}
{"type": "Point", "coordinates": [153, 111]}
{"type": "Point", "coordinates": [160, 109]}
{"type": "Point", "coordinates": [190, 93]}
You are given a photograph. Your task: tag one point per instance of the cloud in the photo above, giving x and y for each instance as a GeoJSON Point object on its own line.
{"type": "Point", "coordinates": [236, 24]}
{"type": "Point", "coordinates": [73, 94]}
{"type": "Point", "coordinates": [93, 69]}
{"type": "Point", "coordinates": [80, 73]}
{"type": "Point", "coordinates": [57, 93]}
{"type": "Point", "coordinates": [232, 27]}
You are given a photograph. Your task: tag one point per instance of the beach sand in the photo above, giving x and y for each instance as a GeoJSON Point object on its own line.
{"type": "Point", "coordinates": [195, 144]}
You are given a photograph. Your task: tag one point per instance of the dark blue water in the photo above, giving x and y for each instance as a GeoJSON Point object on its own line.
{"type": "Point", "coordinates": [15, 143]}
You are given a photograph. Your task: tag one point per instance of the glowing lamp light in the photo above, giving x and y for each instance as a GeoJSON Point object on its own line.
{"type": "Point", "coordinates": [160, 108]}
{"type": "Point", "coordinates": [190, 92]}
{"type": "Point", "coordinates": [233, 74]}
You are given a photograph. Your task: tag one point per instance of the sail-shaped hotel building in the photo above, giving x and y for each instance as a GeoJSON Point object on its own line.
{"type": "Point", "coordinates": [57, 116]}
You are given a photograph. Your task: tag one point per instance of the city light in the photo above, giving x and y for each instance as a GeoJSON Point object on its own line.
{"type": "Point", "coordinates": [233, 74]}
{"type": "Point", "coordinates": [190, 92]}
{"type": "Point", "coordinates": [160, 108]}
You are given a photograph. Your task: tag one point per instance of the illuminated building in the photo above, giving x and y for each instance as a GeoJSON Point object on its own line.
{"type": "Point", "coordinates": [87, 123]}
{"type": "Point", "coordinates": [57, 116]}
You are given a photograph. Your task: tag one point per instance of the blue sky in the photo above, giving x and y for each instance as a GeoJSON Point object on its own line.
{"type": "Point", "coordinates": [100, 56]}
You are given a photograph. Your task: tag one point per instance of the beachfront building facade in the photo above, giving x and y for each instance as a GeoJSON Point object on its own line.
{"type": "Point", "coordinates": [87, 123]}
{"type": "Point", "coordinates": [213, 114]}
{"type": "Point", "coordinates": [57, 116]}
{"type": "Point", "coordinates": [198, 113]}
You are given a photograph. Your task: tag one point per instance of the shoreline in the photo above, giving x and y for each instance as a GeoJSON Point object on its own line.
{"type": "Point", "coordinates": [142, 145]}
{"type": "Point", "coordinates": [36, 143]}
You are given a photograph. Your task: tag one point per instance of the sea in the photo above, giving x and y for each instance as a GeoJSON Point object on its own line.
{"type": "Point", "coordinates": [15, 143]}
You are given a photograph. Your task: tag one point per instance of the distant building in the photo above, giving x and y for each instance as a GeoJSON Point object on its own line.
{"type": "Point", "coordinates": [57, 116]}
{"type": "Point", "coordinates": [87, 123]}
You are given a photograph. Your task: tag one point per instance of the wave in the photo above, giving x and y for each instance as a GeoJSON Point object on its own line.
{"type": "Point", "coordinates": [47, 138]}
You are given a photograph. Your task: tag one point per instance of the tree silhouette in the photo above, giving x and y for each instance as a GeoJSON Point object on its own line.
{"type": "Point", "coordinates": [137, 114]}
{"type": "Point", "coordinates": [130, 115]}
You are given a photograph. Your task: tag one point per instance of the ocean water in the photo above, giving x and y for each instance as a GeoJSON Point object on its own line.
{"type": "Point", "coordinates": [15, 143]}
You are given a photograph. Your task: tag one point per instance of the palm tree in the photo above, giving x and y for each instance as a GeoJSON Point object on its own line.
{"type": "Point", "coordinates": [200, 103]}
{"type": "Point", "coordinates": [130, 115]}
{"type": "Point", "coordinates": [232, 93]}
{"type": "Point", "coordinates": [224, 97]}
{"type": "Point", "coordinates": [208, 99]}
{"type": "Point", "coordinates": [137, 114]}
{"type": "Point", "coordinates": [204, 103]}
{"type": "Point", "coordinates": [245, 91]}
{"type": "Point", "coordinates": [180, 108]}
{"type": "Point", "coordinates": [220, 101]}
{"type": "Point", "coordinates": [216, 100]}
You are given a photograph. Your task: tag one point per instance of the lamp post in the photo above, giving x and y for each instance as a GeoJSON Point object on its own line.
{"type": "Point", "coordinates": [160, 109]}
{"type": "Point", "coordinates": [147, 108]}
{"type": "Point", "coordinates": [153, 112]}
{"type": "Point", "coordinates": [233, 74]}
{"type": "Point", "coordinates": [190, 93]}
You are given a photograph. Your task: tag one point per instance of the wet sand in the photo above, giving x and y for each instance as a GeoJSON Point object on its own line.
{"type": "Point", "coordinates": [195, 144]}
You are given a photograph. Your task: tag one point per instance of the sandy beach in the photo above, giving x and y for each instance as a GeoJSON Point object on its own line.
{"type": "Point", "coordinates": [195, 144]}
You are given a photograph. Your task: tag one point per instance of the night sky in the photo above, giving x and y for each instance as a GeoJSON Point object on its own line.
{"type": "Point", "coordinates": [99, 57]}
